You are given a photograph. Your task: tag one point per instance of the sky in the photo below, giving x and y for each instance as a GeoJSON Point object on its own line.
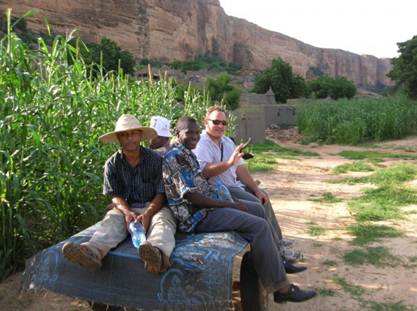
{"type": "Point", "coordinates": [370, 27]}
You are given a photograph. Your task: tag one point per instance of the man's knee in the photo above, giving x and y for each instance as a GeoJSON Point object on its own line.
{"type": "Point", "coordinates": [261, 225]}
{"type": "Point", "coordinates": [115, 214]}
{"type": "Point", "coordinates": [261, 210]}
{"type": "Point", "coordinates": [256, 209]}
{"type": "Point", "coordinates": [164, 217]}
{"type": "Point", "coordinates": [115, 217]}
{"type": "Point", "coordinates": [163, 224]}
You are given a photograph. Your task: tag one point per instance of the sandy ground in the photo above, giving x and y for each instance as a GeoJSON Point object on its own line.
{"type": "Point", "coordinates": [293, 188]}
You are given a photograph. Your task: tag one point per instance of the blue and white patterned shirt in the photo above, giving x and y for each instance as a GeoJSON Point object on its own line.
{"type": "Point", "coordinates": [181, 174]}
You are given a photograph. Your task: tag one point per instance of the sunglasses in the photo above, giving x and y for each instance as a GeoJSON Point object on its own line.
{"type": "Point", "coordinates": [218, 122]}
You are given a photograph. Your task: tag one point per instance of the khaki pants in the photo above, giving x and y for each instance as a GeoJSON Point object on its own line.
{"type": "Point", "coordinates": [113, 230]}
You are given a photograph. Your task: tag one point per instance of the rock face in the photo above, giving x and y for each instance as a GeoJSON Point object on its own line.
{"type": "Point", "coordinates": [183, 29]}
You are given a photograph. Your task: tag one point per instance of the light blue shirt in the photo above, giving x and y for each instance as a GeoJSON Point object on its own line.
{"type": "Point", "coordinates": [208, 152]}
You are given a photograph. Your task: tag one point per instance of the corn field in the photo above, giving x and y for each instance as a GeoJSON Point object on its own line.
{"type": "Point", "coordinates": [52, 111]}
{"type": "Point", "coordinates": [358, 120]}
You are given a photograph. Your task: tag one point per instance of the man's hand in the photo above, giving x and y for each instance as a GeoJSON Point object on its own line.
{"type": "Point", "coordinates": [239, 205]}
{"type": "Point", "coordinates": [262, 196]}
{"type": "Point", "coordinates": [236, 155]}
{"type": "Point", "coordinates": [130, 216]}
{"type": "Point", "coordinates": [145, 219]}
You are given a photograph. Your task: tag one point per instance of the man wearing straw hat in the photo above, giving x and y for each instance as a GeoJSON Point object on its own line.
{"type": "Point", "coordinates": [132, 178]}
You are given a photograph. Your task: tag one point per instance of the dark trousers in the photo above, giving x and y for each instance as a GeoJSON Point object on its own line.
{"type": "Point", "coordinates": [243, 194]}
{"type": "Point", "coordinates": [253, 227]}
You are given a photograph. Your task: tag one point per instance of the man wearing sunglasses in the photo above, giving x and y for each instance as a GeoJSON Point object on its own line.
{"type": "Point", "coordinates": [220, 159]}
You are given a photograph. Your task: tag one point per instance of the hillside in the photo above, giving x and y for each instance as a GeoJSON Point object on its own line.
{"type": "Point", "coordinates": [184, 29]}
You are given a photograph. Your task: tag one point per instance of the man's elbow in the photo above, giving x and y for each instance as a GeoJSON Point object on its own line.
{"type": "Point", "coordinates": [193, 197]}
{"type": "Point", "coordinates": [189, 196]}
{"type": "Point", "coordinates": [206, 175]}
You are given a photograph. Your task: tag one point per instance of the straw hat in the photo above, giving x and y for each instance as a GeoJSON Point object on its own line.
{"type": "Point", "coordinates": [161, 126]}
{"type": "Point", "coordinates": [125, 123]}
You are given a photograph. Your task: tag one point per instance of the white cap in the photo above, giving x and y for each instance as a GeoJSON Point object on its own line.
{"type": "Point", "coordinates": [161, 126]}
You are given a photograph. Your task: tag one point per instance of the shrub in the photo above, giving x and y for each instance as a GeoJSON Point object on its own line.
{"type": "Point", "coordinates": [220, 90]}
{"type": "Point", "coordinates": [208, 62]}
{"type": "Point", "coordinates": [231, 99]}
{"type": "Point", "coordinates": [106, 52]}
{"type": "Point", "coordinates": [404, 70]}
{"type": "Point", "coordinates": [280, 78]}
{"type": "Point", "coordinates": [335, 88]}
{"type": "Point", "coordinates": [109, 55]}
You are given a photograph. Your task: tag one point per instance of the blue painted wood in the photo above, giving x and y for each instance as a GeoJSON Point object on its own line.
{"type": "Point", "coordinates": [199, 279]}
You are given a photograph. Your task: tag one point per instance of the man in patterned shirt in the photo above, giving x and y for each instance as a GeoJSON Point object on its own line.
{"type": "Point", "coordinates": [201, 207]}
{"type": "Point", "coordinates": [132, 178]}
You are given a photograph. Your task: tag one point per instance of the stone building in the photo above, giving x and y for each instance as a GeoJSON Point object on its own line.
{"type": "Point", "coordinates": [259, 111]}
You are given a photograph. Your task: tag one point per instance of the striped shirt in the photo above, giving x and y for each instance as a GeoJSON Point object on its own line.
{"type": "Point", "coordinates": [137, 185]}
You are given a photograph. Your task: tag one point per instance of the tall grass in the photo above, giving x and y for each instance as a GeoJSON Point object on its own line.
{"type": "Point", "coordinates": [358, 120]}
{"type": "Point", "coordinates": [52, 110]}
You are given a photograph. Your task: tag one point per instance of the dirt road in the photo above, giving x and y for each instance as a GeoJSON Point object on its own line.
{"type": "Point", "coordinates": [293, 189]}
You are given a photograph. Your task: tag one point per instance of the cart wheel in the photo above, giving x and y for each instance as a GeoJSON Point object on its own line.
{"type": "Point", "coordinates": [96, 306]}
{"type": "Point", "coordinates": [251, 293]}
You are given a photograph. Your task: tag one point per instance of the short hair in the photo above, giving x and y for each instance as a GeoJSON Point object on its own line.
{"type": "Point", "coordinates": [215, 108]}
{"type": "Point", "coordinates": [183, 122]}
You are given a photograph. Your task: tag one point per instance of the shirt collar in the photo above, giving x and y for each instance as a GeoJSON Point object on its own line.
{"type": "Point", "coordinates": [207, 136]}
{"type": "Point", "coordinates": [141, 154]}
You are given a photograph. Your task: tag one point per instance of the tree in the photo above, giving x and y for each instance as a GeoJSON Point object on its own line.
{"type": "Point", "coordinates": [300, 87]}
{"type": "Point", "coordinates": [110, 54]}
{"type": "Point", "coordinates": [404, 71]}
{"type": "Point", "coordinates": [220, 90]}
{"type": "Point", "coordinates": [321, 86]}
{"type": "Point", "coordinates": [338, 87]}
{"type": "Point", "coordinates": [342, 87]}
{"type": "Point", "coordinates": [282, 80]}
{"type": "Point", "coordinates": [207, 62]}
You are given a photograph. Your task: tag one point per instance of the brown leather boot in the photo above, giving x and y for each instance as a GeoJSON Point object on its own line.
{"type": "Point", "coordinates": [82, 256]}
{"type": "Point", "coordinates": [155, 260]}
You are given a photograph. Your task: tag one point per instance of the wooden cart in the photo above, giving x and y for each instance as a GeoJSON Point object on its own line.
{"type": "Point", "coordinates": [210, 271]}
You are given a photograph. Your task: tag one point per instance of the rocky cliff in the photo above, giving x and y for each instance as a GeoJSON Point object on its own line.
{"type": "Point", "coordinates": [183, 29]}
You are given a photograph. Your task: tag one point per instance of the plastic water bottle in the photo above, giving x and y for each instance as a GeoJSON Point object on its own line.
{"type": "Point", "coordinates": [137, 233]}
